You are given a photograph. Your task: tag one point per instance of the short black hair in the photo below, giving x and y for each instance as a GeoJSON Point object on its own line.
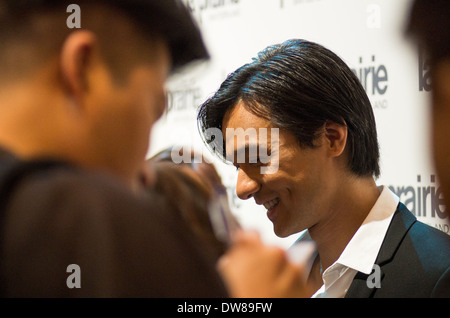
{"type": "Point", "coordinates": [429, 25]}
{"type": "Point", "coordinates": [170, 20]}
{"type": "Point", "coordinates": [298, 86]}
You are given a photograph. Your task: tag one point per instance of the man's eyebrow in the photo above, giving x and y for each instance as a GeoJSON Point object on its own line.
{"type": "Point", "coordinates": [245, 149]}
{"type": "Point", "coordinates": [236, 151]}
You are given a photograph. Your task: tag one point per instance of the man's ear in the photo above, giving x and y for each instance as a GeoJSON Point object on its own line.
{"type": "Point", "coordinates": [336, 137]}
{"type": "Point", "coordinates": [76, 58]}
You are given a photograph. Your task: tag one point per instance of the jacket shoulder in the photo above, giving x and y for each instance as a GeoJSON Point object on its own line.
{"type": "Point", "coordinates": [414, 261]}
{"type": "Point", "coordinates": [419, 261]}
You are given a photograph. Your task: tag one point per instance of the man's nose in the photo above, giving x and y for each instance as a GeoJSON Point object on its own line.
{"type": "Point", "coordinates": [246, 186]}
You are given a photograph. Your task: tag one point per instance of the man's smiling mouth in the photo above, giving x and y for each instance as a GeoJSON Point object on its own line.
{"type": "Point", "coordinates": [270, 204]}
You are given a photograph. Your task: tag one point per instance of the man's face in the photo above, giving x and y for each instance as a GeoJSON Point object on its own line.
{"type": "Point", "coordinates": [295, 193]}
{"type": "Point", "coordinates": [440, 127]}
{"type": "Point", "coordinates": [124, 114]}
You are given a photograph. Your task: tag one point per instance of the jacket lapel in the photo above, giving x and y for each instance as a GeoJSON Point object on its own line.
{"type": "Point", "coordinates": [401, 222]}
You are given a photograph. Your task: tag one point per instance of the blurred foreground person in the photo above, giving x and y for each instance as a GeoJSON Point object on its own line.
{"type": "Point", "coordinates": [429, 25]}
{"type": "Point", "coordinates": [76, 109]}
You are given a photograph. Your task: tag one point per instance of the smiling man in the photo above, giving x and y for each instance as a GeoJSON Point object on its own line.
{"type": "Point", "coordinates": [327, 162]}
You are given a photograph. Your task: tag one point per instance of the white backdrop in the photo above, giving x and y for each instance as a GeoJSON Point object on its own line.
{"type": "Point", "coordinates": [369, 36]}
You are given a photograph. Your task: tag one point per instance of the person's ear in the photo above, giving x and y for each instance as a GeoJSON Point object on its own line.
{"type": "Point", "coordinates": [336, 137]}
{"type": "Point", "coordinates": [76, 59]}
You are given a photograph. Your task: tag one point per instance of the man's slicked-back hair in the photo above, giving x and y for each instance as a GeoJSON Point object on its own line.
{"type": "Point", "coordinates": [168, 20]}
{"type": "Point", "coordinates": [299, 86]}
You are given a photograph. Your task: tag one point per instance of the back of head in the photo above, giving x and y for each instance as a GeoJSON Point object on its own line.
{"type": "Point", "coordinates": [98, 85]}
{"type": "Point", "coordinates": [42, 24]}
{"type": "Point", "coordinates": [298, 86]}
{"type": "Point", "coordinates": [190, 188]}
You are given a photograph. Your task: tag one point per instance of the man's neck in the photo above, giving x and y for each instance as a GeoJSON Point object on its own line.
{"type": "Point", "coordinates": [351, 205]}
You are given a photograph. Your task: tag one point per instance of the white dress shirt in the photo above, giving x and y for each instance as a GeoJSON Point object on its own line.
{"type": "Point", "coordinates": [361, 252]}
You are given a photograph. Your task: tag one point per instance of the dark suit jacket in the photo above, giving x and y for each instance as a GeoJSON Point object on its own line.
{"type": "Point", "coordinates": [414, 260]}
{"type": "Point", "coordinates": [53, 215]}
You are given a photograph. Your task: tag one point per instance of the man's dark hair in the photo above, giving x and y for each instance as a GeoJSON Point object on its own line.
{"type": "Point", "coordinates": [299, 86]}
{"type": "Point", "coordinates": [41, 25]}
{"type": "Point", "coordinates": [429, 25]}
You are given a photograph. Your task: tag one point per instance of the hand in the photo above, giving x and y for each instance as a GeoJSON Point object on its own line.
{"type": "Point", "coordinates": [251, 269]}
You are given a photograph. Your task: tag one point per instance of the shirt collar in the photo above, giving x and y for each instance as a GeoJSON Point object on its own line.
{"type": "Point", "coordinates": [362, 250]}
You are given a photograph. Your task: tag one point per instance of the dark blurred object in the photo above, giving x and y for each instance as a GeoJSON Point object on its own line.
{"type": "Point", "coordinates": [429, 25]}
